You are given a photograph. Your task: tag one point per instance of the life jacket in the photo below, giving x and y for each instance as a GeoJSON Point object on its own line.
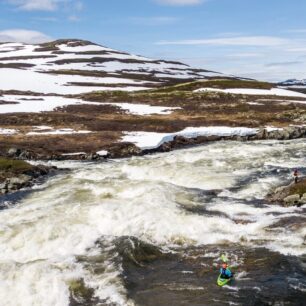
{"type": "Point", "coordinates": [223, 273]}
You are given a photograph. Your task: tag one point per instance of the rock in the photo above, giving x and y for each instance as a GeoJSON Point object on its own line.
{"type": "Point", "coordinates": [13, 152]}
{"type": "Point", "coordinates": [123, 149]}
{"type": "Point", "coordinates": [280, 189]}
{"type": "Point", "coordinates": [27, 155]}
{"type": "Point", "coordinates": [303, 199]}
{"type": "Point", "coordinates": [292, 194]}
{"type": "Point", "coordinates": [21, 181]}
{"type": "Point", "coordinates": [17, 174]}
{"type": "Point", "coordinates": [292, 200]}
{"type": "Point", "coordinates": [93, 156]}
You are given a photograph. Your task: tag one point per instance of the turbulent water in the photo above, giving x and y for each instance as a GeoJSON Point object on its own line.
{"type": "Point", "coordinates": [150, 231]}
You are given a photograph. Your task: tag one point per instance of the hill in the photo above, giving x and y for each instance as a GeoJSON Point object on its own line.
{"type": "Point", "coordinates": [77, 66]}
{"type": "Point", "coordinates": [73, 99]}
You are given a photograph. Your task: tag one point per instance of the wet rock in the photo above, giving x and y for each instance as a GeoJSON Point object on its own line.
{"type": "Point", "coordinates": [123, 149]}
{"type": "Point", "coordinates": [27, 155]}
{"type": "Point", "coordinates": [303, 199]}
{"type": "Point", "coordinates": [80, 293]}
{"type": "Point", "coordinates": [136, 252]}
{"type": "Point", "coordinates": [18, 174]}
{"type": "Point", "coordinates": [22, 179]}
{"type": "Point", "coordinates": [13, 152]}
{"type": "Point", "coordinates": [292, 200]}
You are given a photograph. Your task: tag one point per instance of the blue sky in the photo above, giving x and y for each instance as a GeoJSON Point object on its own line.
{"type": "Point", "coordinates": [262, 39]}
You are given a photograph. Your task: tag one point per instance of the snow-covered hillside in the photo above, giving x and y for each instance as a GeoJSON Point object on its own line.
{"type": "Point", "coordinates": [294, 82]}
{"type": "Point", "coordinates": [76, 66]}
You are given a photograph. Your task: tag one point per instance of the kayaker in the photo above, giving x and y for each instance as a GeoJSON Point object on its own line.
{"type": "Point", "coordinates": [225, 272]}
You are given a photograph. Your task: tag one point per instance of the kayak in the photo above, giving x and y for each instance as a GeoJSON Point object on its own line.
{"type": "Point", "coordinates": [223, 281]}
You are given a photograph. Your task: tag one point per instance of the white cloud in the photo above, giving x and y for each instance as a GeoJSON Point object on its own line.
{"type": "Point", "coordinates": [46, 19]}
{"type": "Point", "coordinates": [302, 31]}
{"type": "Point", "coordinates": [154, 21]}
{"type": "Point", "coordinates": [25, 36]}
{"type": "Point", "coordinates": [180, 2]}
{"type": "Point", "coordinates": [288, 63]}
{"type": "Point", "coordinates": [46, 5]}
{"type": "Point", "coordinates": [232, 41]}
{"type": "Point", "coordinates": [74, 18]}
{"type": "Point", "coordinates": [245, 55]}
{"type": "Point", "coordinates": [78, 6]}
{"type": "Point", "coordinates": [298, 49]}
{"type": "Point", "coordinates": [35, 5]}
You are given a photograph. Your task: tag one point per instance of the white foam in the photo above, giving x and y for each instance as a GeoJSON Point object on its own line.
{"type": "Point", "coordinates": [43, 235]}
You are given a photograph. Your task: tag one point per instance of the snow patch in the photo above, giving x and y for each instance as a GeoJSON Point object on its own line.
{"type": "Point", "coordinates": [59, 132]}
{"type": "Point", "coordinates": [102, 153]}
{"type": "Point", "coordinates": [144, 109]}
{"type": "Point", "coordinates": [7, 131]}
{"type": "Point", "coordinates": [37, 104]}
{"type": "Point", "coordinates": [150, 140]}
{"type": "Point", "coordinates": [272, 129]}
{"type": "Point", "coordinates": [254, 103]}
{"type": "Point", "coordinates": [27, 80]}
{"type": "Point", "coordinates": [42, 127]}
{"type": "Point", "coordinates": [74, 154]}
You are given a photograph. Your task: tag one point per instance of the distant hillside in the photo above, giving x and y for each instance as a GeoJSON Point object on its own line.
{"type": "Point", "coordinates": [294, 84]}
{"type": "Point", "coordinates": [77, 66]}
{"type": "Point", "coordinates": [72, 99]}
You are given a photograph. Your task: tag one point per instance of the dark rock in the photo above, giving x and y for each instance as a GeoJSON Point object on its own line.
{"type": "Point", "coordinates": [13, 152]}
{"type": "Point", "coordinates": [21, 175]}
{"type": "Point", "coordinates": [123, 149]}
{"type": "Point", "coordinates": [27, 155]}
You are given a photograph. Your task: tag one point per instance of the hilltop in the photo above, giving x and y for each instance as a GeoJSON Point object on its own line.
{"type": "Point", "coordinates": [77, 66]}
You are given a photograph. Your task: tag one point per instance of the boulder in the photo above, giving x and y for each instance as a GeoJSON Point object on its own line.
{"type": "Point", "coordinates": [124, 149]}
{"type": "Point", "coordinates": [27, 155]}
{"type": "Point", "coordinates": [303, 199]}
{"type": "Point", "coordinates": [292, 200]}
{"type": "Point", "coordinates": [13, 152]}
{"type": "Point", "coordinates": [18, 182]}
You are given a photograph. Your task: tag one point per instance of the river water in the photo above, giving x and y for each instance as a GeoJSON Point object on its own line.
{"type": "Point", "coordinates": [150, 231]}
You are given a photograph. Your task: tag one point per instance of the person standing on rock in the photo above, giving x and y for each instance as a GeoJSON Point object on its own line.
{"type": "Point", "coordinates": [296, 176]}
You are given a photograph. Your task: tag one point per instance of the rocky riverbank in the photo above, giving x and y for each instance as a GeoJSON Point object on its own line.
{"type": "Point", "coordinates": [18, 174]}
{"type": "Point", "coordinates": [290, 195]}
{"type": "Point", "coordinates": [126, 149]}
{"type": "Point", "coordinates": [287, 133]}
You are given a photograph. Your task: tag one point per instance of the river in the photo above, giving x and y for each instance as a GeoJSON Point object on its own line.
{"type": "Point", "coordinates": [150, 231]}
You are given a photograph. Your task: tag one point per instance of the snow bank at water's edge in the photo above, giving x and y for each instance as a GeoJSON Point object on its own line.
{"type": "Point", "coordinates": [150, 140]}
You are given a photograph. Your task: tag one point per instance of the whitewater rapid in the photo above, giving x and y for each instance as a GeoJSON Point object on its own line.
{"type": "Point", "coordinates": [208, 195]}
